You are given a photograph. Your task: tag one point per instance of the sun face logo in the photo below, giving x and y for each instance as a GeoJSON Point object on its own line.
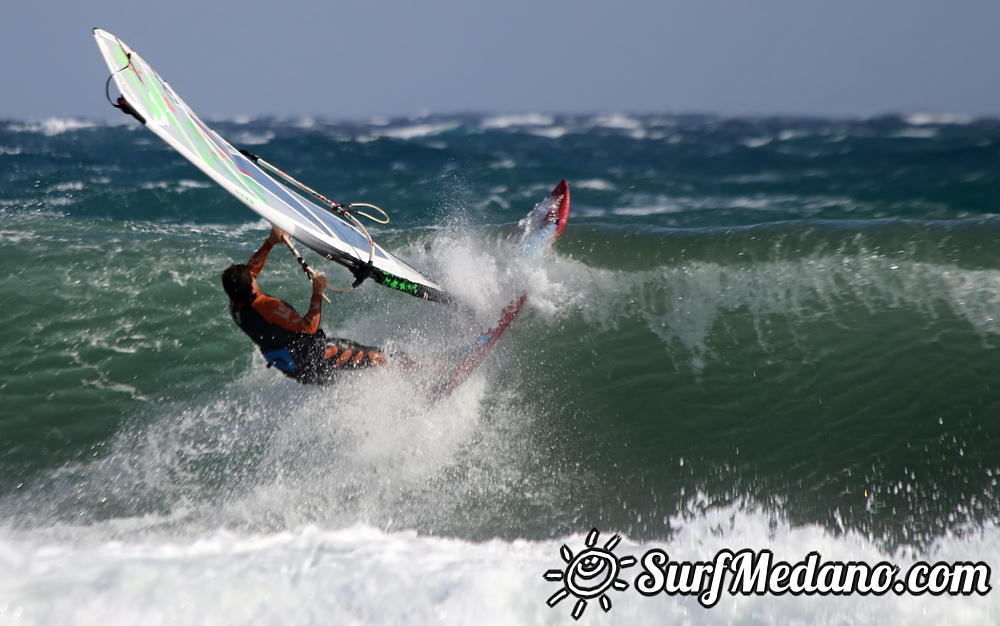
{"type": "Point", "coordinates": [589, 574]}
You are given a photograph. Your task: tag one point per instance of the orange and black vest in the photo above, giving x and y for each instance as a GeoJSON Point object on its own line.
{"type": "Point", "coordinates": [291, 352]}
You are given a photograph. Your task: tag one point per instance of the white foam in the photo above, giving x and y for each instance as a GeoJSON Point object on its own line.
{"type": "Point", "coordinates": [19, 236]}
{"type": "Point", "coordinates": [362, 575]}
{"type": "Point", "coordinates": [648, 210]}
{"type": "Point", "coordinates": [417, 130]}
{"type": "Point", "coordinates": [554, 132]}
{"type": "Point", "coordinates": [186, 183]}
{"type": "Point", "coordinates": [682, 304]}
{"type": "Point", "coordinates": [618, 121]}
{"type": "Point", "coordinates": [253, 139]}
{"type": "Point", "coordinates": [61, 201]}
{"type": "Point", "coordinates": [70, 186]}
{"type": "Point", "coordinates": [757, 142]}
{"type": "Point", "coordinates": [179, 186]}
{"type": "Point", "coordinates": [595, 184]}
{"type": "Point", "coordinates": [53, 126]}
{"type": "Point", "coordinates": [510, 121]}
{"type": "Point", "coordinates": [924, 119]}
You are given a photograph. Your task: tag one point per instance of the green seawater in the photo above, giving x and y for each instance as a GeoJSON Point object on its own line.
{"type": "Point", "coordinates": [803, 325]}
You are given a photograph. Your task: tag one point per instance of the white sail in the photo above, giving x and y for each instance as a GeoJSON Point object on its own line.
{"type": "Point", "coordinates": [163, 112]}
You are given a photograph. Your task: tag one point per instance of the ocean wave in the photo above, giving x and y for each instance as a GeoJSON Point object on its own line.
{"type": "Point", "coordinates": [516, 121]}
{"type": "Point", "coordinates": [757, 142]}
{"type": "Point", "coordinates": [68, 186]}
{"type": "Point", "coordinates": [697, 338]}
{"type": "Point", "coordinates": [312, 575]}
{"type": "Point", "coordinates": [178, 186]}
{"type": "Point", "coordinates": [594, 184]}
{"type": "Point", "coordinates": [248, 138]}
{"type": "Point", "coordinates": [639, 205]}
{"type": "Point", "coordinates": [646, 211]}
{"type": "Point", "coordinates": [552, 132]}
{"type": "Point", "coordinates": [925, 119]}
{"type": "Point", "coordinates": [416, 131]}
{"type": "Point", "coordinates": [52, 127]}
{"type": "Point", "coordinates": [916, 133]}
{"type": "Point", "coordinates": [503, 164]}
{"type": "Point", "coordinates": [617, 121]}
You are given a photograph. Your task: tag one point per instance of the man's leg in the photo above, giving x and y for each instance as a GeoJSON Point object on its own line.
{"type": "Point", "coordinates": [345, 354]}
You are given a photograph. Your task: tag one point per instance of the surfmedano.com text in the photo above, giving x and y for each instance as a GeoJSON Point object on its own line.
{"type": "Point", "coordinates": [757, 573]}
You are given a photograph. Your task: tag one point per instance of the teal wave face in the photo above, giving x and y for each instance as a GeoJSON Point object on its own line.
{"type": "Point", "coordinates": [99, 319]}
{"type": "Point", "coordinates": [839, 384]}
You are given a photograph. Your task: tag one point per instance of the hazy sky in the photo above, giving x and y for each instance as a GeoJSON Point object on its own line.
{"type": "Point", "coordinates": [341, 59]}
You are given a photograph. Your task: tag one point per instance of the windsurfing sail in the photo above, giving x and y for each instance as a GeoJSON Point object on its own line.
{"type": "Point", "coordinates": [152, 101]}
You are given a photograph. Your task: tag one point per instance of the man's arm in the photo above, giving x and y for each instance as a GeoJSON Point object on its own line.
{"type": "Point", "coordinates": [277, 312]}
{"type": "Point", "coordinates": [259, 258]}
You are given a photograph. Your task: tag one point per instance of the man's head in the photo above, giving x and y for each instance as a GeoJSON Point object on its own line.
{"type": "Point", "coordinates": [238, 283]}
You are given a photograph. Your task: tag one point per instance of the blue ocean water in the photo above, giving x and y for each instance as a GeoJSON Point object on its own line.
{"type": "Point", "coordinates": [769, 333]}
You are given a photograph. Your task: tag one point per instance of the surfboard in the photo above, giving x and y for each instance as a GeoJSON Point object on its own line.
{"type": "Point", "coordinates": [534, 235]}
{"type": "Point", "coordinates": [151, 100]}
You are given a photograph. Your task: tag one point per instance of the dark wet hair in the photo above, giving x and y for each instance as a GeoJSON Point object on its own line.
{"type": "Point", "coordinates": [238, 283]}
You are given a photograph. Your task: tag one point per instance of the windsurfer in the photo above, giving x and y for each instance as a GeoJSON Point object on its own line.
{"type": "Point", "coordinates": [293, 343]}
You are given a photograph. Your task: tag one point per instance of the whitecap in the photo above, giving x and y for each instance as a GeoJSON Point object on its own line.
{"type": "Point", "coordinates": [71, 186]}
{"type": "Point", "coordinates": [618, 121]}
{"type": "Point", "coordinates": [362, 574]}
{"type": "Point", "coordinates": [925, 119]}
{"type": "Point", "coordinates": [595, 184]}
{"type": "Point", "coordinates": [179, 187]}
{"type": "Point", "coordinates": [418, 130]}
{"type": "Point", "coordinates": [647, 210]}
{"type": "Point", "coordinates": [553, 132]}
{"type": "Point", "coordinates": [185, 184]}
{"type": "Point", "coordinates": [305, 123]}
{"type": "Point", "coordinates": [525, 119]}
{"type": "Point", "coordinates": [757, 142]}
{"type": "Point", "coordinates": [53, 126]}
{"type": "Point", "coordinates": [60, 201]}
{"type": "Point", "coordinates": [253, 139]}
